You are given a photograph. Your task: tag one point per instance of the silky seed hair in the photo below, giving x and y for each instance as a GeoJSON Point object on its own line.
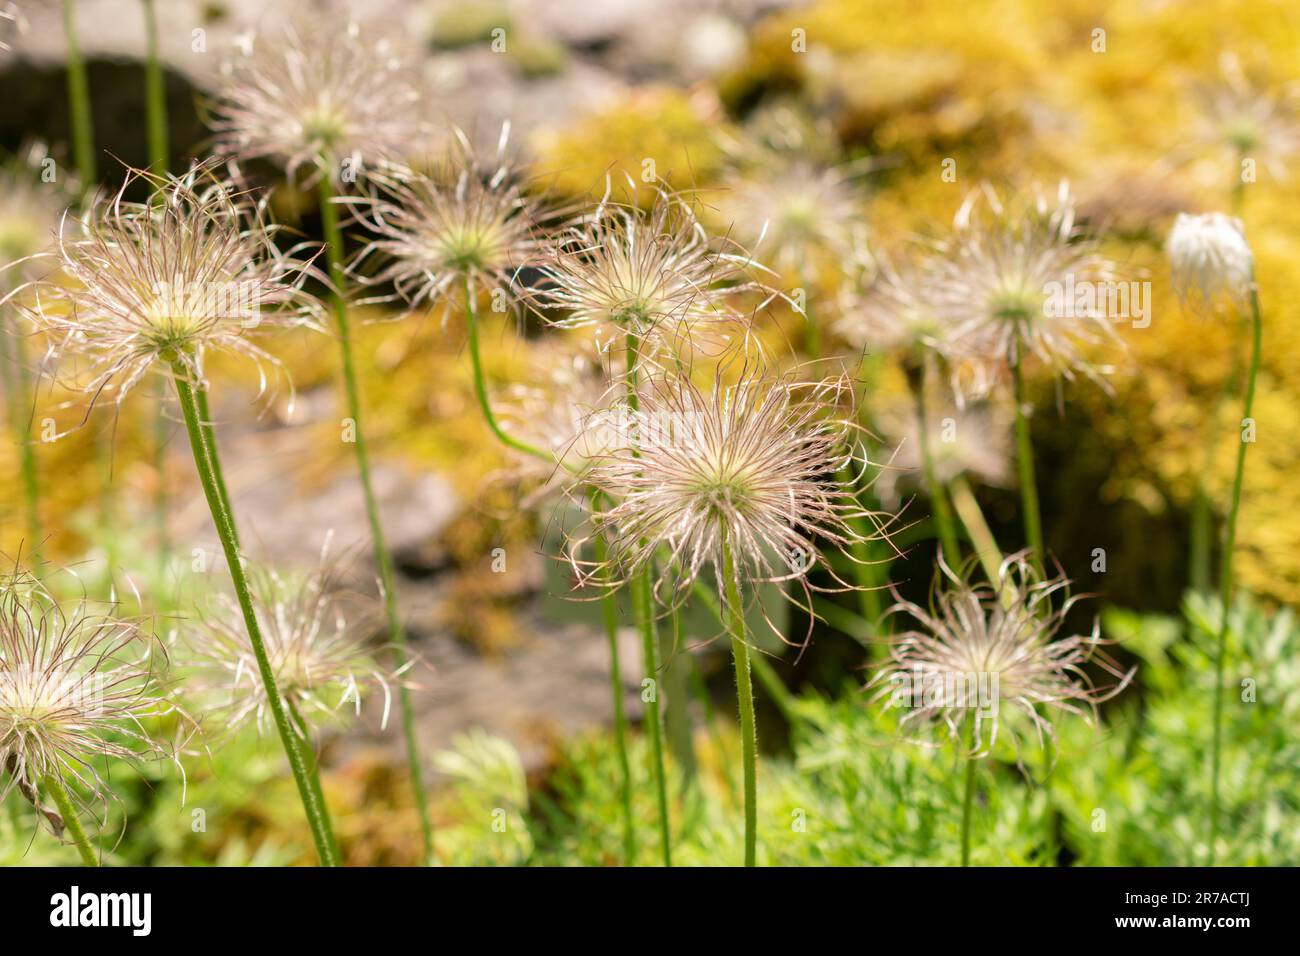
{"type": "Point", "coordinates": [793, 210]}
{"type": "Point", "coordinates": [994, 274]}
{"type": "Point", "coordinates": [317, 95]}
{"type": "Point", "coordinates": [769, 461]}
{"type": "Point", "coordinates": [316, 637]}
{"type": "Point", "coordinates": [193, 270]}
{"type": "Point", "coordinates": [988, 659]}
{"type": "Point", "coordinates": [462, 224]}
{"type": "Point", "coordinates": [653, 274]}
{"type": "Point", "coordinates": [79, 688]}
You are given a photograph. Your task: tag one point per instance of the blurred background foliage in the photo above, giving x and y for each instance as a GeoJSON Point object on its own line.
{"type": "Point", "coordinates": [1018, 92]}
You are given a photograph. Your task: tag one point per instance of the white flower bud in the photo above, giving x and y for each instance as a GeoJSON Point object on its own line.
{"type": "Point", "coordinates": [1211, 259]}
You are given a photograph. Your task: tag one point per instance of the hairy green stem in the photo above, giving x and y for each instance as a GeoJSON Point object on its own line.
{"type": "Point", "coordinates": [155, 93]}
{"type": "Point", "coordinates": [938, 496]}
{"type": "Point", "coordinates": [71, 822]}
{"type": "Point", "coordinates": [744, 696]}
{"type": "Point", "coordinates": [1025, 469]}
{"type": "Point", "coordinates": [1225, 573]}
{"type": "Point", "coordinates": [224, 519]}
{"type": "Point", "coordinates": [83, 131]}
{"type": "Point", "coordinates": [480, 385]}
{"type": "Point", "coordinates": [972, 518]}
{"type": "Point", "coordinates": [609, 606]}
{"type": "Point", "coordinates": [642, 589]}
{"type": "Point", "coordinates": [387, 577]}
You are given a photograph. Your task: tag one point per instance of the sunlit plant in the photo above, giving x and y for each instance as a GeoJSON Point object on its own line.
{"type": "Point", "coordinates": [192, 271]}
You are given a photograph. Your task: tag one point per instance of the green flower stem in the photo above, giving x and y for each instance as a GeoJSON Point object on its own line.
{"type": "Point", "coordinates": [766, 674]}
{"type": "Point", "coordinates": [156, 112]}
{"type": "Point", "coordinates": [224, 519]}
{"type": "Point", "coordinates": [1202, 524]}
{"type": "Point", "coordinates": [643, 609]}
{"type": "Point", "coordinates": [1025, 469]}
{"type": "Point", "coordinates": [480, 385]}
{"type": "Point", "coordinates": [744, 696]}
{"type": "Point", "coordinates": [609, 606]}
{"type": "Point", "coordinates": [83, 131]}
{"type": "Point", "coordinates": [1225, 573]}
{"type": "Point", "coordinates": [972, 518]}
{"type": "Point", "coordinates": [865, 570]}
{"type": "Point", "coordinates": [20, 416]}
{"type": "Point", "coordinates": [71, 822]}
{"type": "Point", "coordinates": [155, 93]}
{"type": "Point", "coordinates": [387, 579]}
{"type": "Point", "coordinates": [938, 497]}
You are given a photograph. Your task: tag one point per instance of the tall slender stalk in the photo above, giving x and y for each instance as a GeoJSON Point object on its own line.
{"type": "Point", "coordinates": [71, 822]}
{"type": "Point", "coordinates": [1025, 468]}
{"type": "Point", "coordinates": [204, 457]}
{"type": "Point", "coordinates": [155, 100]}
{"type": "Point", "coordinates": [1225, 574]}
{"type": "Point", "coordinates": [480, 383]}
{"type": "Point", "coordinates": [83, 131]}
{"type": "Point", "coordinates": [643, 608]}
{"type": "Point", "coordinates": [972, 518]}
{"type": "Point", "coordinates": [609, 606]}
{"type": "Point", "coordinates": [155, 93]}
{"type": "Point", "coordinates": [744, 696]}
{"type": "Point", "coordinates": [938, 497]}
{"type": "Point", "coordinates": [396, 632]}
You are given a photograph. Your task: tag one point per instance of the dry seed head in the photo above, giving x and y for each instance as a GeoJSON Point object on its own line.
{"type": "Point", "coordinates": [993, 275]}
{"type": "Point", "coordinates": [78, 687]}
{"type": "Point", "coordinates": [1248, 122]}
{"type": "Point", "coordinates": [765, 461]}
{"type": "Point", "coordinates": [194, 270]}
{"type": "Point", "coordinates": [317, 93]}
{"type": "Point", "coordinates": [991, 656]}
{"type": "Point", "coordinates": [654, 274]}
{"type": "Point", "coordinates": [463, 222]}
{"type": "Point", "coordinates": [796, 209]}
{"type": "Point", "coordinates": [316, 643]}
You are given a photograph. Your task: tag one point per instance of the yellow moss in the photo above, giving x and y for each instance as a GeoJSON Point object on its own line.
{"type": "Point", "coordinates": [653, 133]}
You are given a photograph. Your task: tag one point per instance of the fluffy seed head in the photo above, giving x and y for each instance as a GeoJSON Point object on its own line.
{"type": "Point", "coordinates": [461, 223]}
{"type": "Point", "coordinates": [990, 656]}
{"type": "Point", "coordinates": [656, 274]}
{"type": "Point", "coordinates": [994, 279]}
{"type": "Point", "coordinates": [763, 462]}
{"type": "Point", "coordinates": [315, 642]}
{"type": "Point", "coordinates": [1247, 121]}
{"type": "Point", "coordinates": [315, 96]}
{"type": "Point", "coordinates": [1211, 260]}
{"type": "Point", "coordinates": [191, 271]}
{"type": "Point", "coordinates": [77, 688]}
{"type": "Point", "coordinates": [564, 409]}
{"type": "Point", "coordinates": [795, 209]}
